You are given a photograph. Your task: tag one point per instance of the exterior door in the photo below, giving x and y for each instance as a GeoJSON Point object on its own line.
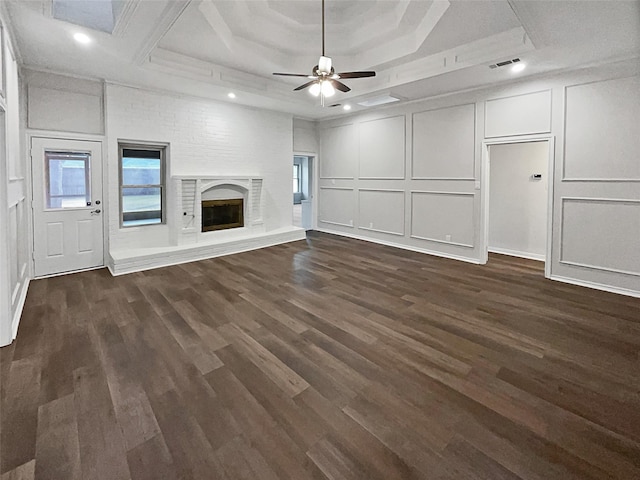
{"type": "Point", "coordinates": [67, 205]}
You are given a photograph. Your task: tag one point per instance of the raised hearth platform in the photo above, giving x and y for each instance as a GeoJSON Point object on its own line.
{"type": "Point", "coordinates": [138, 259]}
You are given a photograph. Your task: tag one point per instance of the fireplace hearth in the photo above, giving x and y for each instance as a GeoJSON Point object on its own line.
{"type": "Point", "coordinates": [222, 214]}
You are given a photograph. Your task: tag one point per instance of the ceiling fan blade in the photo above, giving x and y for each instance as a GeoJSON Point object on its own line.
{"type": "Point", "coordinates": [308, 84]}
{"type": "Point", "coordinates": [340, 86]}
{"type": "Point", "coordinates": [291, 74]}
{"type": "Point", "coordinates": [357, 74]}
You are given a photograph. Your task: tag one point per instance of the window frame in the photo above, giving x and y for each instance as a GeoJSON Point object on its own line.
{"type": "Point", "coordinates": [162, 148]}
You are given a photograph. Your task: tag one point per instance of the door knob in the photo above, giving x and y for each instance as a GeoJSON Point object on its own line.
{"type": "Point", "coordinates": [96, 211]}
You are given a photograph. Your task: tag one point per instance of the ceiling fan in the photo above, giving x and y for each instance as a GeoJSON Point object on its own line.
{"type": "Point", "coordinates": [324, 79]}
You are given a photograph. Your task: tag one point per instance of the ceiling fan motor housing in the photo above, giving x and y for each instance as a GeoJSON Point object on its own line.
{"type": "Point", "coordinates": [324, 65]}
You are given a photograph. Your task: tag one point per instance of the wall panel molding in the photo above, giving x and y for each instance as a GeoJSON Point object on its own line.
{"type": "Point", "coordinates": [339, 152]}
{"type": "Point", "coordinates": [411, 248]}
{"type": "Point", "coordinates": [447, 150]}
{"type": "Point", "coordinates": [538, 119]}
{"type": "Point", "coordinates": [447, 179]}
{"type": "Point", "coordinates": [597, 127]}
{"type": "Point", "coordinates": [324, 202]}
{"type": "Point", "coordinates": [382, 148]}
{"type": "Point", "coordinates": [597, 267]}
{"type": "Point", "coordinates": [599, 180]}
{"type": "Point", "coordinates": [440, 192]}
{"type": "Point", "coordinates": [456, 215]}
{"type": "Point", "coordinates": [393, 224]}
{"type": "Point", "coordinates": [369, 189]}
{"type": "Point", "coordinates": [597, 286]}
{"type": "Point", "coordinates": [388, 232]}
{"type": "Point", "coordinates": [592, 265]}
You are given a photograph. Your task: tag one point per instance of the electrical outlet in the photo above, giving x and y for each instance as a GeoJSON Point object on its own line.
{"type": "Point", "coordinates": [370, 224]}
{"type": "Point", "coordinates": [447, 238]}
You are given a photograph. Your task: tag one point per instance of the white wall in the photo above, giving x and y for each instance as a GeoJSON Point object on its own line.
{"type": "Point", "coordinates": [64, 104]}
{"type": "Point", "coordinates": [305, 136]}
{"type": "Point", "coordinates": [14, 271]}
{"type": "Point", "coordinates": [404, 176]}
{"type": "Point", "coordinates": [205, 138]}
{"type": "Point", "coordinates": [517, 201]}
{"type": "Point", "coordinates": [435, 164]}
{"type": "Point", "coordinates": [597, 201]}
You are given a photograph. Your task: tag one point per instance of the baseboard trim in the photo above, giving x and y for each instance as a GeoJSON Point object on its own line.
{"type": "Point", "coordinates": [411, 248]}
{"type": "Point", "coordinates": [15, 321]}
{"type": "Point", "coordinates": [68, 272]}
{"type": "Point", "coordinates": [121, 263]}
{"type": "Point", "coordinates": [516, 253]}
{"type": "Point", "coordinates": [597, 286]}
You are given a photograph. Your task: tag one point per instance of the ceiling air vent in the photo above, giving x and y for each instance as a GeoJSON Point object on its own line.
{"type": "Point", "coordinates": [505, 63]}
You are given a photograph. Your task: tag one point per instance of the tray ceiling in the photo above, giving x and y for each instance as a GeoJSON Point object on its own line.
{"type": "Point", "coordinates": [418, 47]}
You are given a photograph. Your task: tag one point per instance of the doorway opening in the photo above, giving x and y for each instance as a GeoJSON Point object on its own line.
{"type": "Point", "coordinates": [518, 189]}
{"type": "Point", "coordinates": [302, 191]}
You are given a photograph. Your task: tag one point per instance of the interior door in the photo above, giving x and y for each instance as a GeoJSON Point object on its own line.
{"type": "Point", "coordinates": [67, 205]}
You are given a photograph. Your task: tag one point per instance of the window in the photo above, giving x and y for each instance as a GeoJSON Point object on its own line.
{"type": "Point", "coordinates": [142, 185]}
{"type": "Point", "coordinates": [296, 178]}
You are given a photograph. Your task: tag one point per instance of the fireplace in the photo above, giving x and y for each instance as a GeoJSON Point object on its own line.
{"type": "Point", "coordinates": [222, 214]}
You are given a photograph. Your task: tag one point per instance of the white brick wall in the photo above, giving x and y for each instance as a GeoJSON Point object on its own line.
{"type": "Point", "coordinates": [305, 136]}
{"type": "Point", "coordinates": [206, 138]}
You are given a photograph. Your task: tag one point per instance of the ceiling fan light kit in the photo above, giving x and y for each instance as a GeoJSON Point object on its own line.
{"type": "Point", "coordinates": [324, 79]}
{"type": "Point", "coordinates": [327, 89]}
{"type": "Point", "coordinates": [315, 89]}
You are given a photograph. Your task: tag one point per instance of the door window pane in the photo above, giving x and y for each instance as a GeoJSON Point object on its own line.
{"type": "Point", "coordinates": [141, 206]}
{"type": "Point", "coordinates": [67, 182]}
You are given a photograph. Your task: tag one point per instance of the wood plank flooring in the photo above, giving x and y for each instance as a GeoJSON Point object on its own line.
{"type": "Point", "coordinates": [329, 358]}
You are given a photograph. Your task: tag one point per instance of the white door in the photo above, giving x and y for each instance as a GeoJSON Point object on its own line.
{"type": "Point", "coordinates": [67, 205]}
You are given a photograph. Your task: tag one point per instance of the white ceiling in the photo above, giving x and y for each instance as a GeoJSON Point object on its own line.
{"type": "Point", "coordinates": [418, 48]}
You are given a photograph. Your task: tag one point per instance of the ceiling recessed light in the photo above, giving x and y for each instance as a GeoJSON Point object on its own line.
{"type": "Point", "coordinates": [81, 38]}
{"type": "Point", "coordinates": [347, 107]}
{"type": "Point", "coordinates": [518, 67]}
{"type": "Point", "coordinates": [231, 95]}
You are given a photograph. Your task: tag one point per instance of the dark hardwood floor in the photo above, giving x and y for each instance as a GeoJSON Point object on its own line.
{"type": "Point", "coordinates": [325, 359]}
